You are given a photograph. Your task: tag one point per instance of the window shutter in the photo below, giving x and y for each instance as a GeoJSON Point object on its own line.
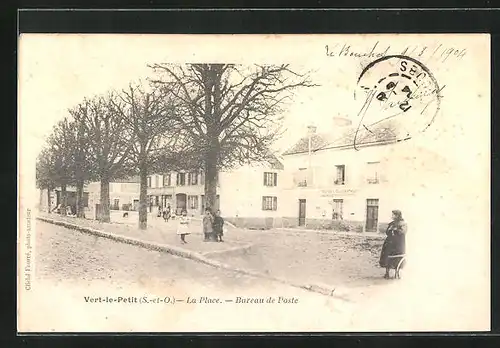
{"type": "Point", "coordinates": [275, 203]}
{"type": "Point", "coordinates": [265, 178]}
{"type": "Point", "coordinates": [275, 179]}
{"type": "Point", "coordinates": [263, 203]}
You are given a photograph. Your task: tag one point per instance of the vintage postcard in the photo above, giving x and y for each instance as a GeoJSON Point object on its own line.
{"type": "Point", "coordinates": [254, 183]}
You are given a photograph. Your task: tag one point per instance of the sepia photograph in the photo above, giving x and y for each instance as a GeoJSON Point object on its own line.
{"type": "Point", "coordinates": [253, 183]}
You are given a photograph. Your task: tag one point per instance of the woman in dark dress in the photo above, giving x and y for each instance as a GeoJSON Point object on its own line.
{"type": "Point", "coordinates": [218, 226]}
{"type": "Point", "coordinates": [394, 248]}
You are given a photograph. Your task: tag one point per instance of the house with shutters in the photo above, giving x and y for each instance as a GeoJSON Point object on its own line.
{"type": "Point", "coordinates": [247, 196]}
{"type": "Point", "coordinates": [330, 182]}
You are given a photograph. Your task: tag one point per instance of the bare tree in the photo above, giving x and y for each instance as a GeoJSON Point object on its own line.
{"type": "Point", "coordinates": [45, 173]}
{"type": "Point", "coordinates": [146, 113]}
{"type": "Point", "coordinates": [83, 168]}
{"type": "Point", "coordinates": [109, 146]}
{"type": "Point", "coordinates": [60, 145]}
{"type": "Point", "coordinates": [232, 114]}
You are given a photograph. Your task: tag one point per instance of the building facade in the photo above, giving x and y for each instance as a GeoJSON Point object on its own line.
{"type": "Point", "coordinates": [55, 198]}
{"type": "Point", "coordinates": [123, 195]}
{"type": "Point", "coordinates": [332, 185]}
{"type": "Point", "coordinates": [247, 196]}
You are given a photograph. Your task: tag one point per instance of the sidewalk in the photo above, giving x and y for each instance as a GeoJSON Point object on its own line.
{"type": "Point", "coordinates": [158, 231]}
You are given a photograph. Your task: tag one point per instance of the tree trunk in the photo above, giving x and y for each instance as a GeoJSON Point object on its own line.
{"type": "Point", "coordinates": [63, 200]}
{"type": "Point", "coordinates": [211, 179]}
{"type": "Point", "coordinates": [143, 204]}
{"type": "Point", "coordinates": [79, 199]}
{"type": "Point", "coordinates": [49, 203]}
{"type": "Point", "coordinates": [104, 201]}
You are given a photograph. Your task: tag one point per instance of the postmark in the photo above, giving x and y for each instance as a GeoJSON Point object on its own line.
{"type": "Point", "coordinates": [399, 97]}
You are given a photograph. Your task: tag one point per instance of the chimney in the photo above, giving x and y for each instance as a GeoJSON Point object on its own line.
{"type": "Point", "coordinates": [311, 129]}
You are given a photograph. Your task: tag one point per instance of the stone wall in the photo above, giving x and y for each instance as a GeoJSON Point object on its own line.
{"type": "Point", "coordinates": [255, 223]}
{"type": "Point", "coordinates": [261, 223]}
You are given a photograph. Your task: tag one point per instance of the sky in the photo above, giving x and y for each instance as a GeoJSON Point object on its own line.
{"type": "Point", "coordinates": [56, 71]}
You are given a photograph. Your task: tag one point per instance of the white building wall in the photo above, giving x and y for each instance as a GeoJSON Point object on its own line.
{"type": "Point", "coordinates": [321, 189]}
{"type": "Point", "coordinates": [126, 193]}
{"type": "Point", "coordinates": [241, 192]}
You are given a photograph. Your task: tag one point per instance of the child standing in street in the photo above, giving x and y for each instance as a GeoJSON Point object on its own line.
{"type": "Point", "coordinates": [183, 226]}
{"type": "Point", "coordinates": [208, 221]}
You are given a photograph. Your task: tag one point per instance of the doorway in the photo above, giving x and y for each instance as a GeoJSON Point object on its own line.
{"type": "Point", "coordinates": [180, 203]}
{"type": "Point", "coordinates": [371, 215]}
{"type": "Point", "coordinates": [302, 212]}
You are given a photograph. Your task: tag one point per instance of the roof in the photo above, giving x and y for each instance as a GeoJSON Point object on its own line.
{"type": "Point", "coordinates": [382, 134]}
{"type": "Point", "coordinates": [317, 142]}
{"type": "Point", "coordinates": [275, 163]}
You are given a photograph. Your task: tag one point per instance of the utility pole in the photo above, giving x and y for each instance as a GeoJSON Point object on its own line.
{"type": "Point", "coordinates": [311, 132]}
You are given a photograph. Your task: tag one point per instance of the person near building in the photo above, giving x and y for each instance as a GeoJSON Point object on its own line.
{"type": "Point", "coordinates": [167, 212]}
{"type": "Point", "coordinates": [393, 251]}
{"type": "Point", "coordinates": [208, 221]}
{"type": "Point", "coordinates": [218, 226]}
{"type": "Point", "coordinates": [159, 211]}
{"type": "Point", "coordinates": [183, 226]}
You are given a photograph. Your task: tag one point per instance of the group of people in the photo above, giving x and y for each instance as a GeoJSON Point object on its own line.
{"type": "Point", "coordinates": [68, 212]}
{"type": "Point", "coordinates": [166, 214]}
{"type": "Point", "coordinates": [213, 226]}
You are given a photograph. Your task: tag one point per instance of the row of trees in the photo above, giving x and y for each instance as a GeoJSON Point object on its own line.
{"type": "Point", "coordinates": [207, 117]}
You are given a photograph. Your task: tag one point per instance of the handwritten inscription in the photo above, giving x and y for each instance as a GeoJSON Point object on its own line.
{"type": "Point", "coordinates": [440, 52]}
{"type": "Point", "coordinates": [346, 50]}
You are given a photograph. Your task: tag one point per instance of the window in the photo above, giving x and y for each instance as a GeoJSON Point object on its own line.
{"type": "Point", "coordinates": [181, 179]}
{"type": "Point", "coordinates": [193, 179]}
{"type": "Point", "coordinates": [340, 179]}
{"type": "Point", "coordinates": [193, 202]}
{"type": "Point", "coordinates": [116, 204]}
{"type": "Point", "coordinates": [338, 209]}
{"type": "Point", "coordinates": [167, 180]}
{"type": "Point", "coordinates": [149, 181]}
{"type": "Point", "coordinates": [269, 203]}
{"type": "Point", "coordinates": [270, 179]}
{"type": "Point", "coordinates": [372, 202]}
{"type": "Point", "coordinates": [373, 173]}
{"type": "Point", "coordinates": [301, 178]}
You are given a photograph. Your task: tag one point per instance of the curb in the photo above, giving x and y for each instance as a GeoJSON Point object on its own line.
{"type": "Point", "coordinates": [230, 252]}
{"type": "Point", "coordinates": [199, 257]}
